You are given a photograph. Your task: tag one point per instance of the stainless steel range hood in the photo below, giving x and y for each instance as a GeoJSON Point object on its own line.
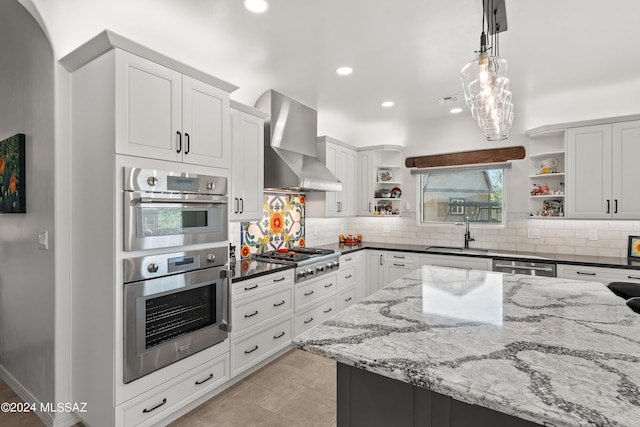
{"type": "Point", "coordinates": [290, 161]}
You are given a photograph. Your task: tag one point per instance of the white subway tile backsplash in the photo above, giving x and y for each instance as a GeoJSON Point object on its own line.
{"type": "Point", "coordinates": [556, 236]}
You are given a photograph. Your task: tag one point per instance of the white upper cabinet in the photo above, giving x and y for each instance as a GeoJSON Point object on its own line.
{"type": "Point", "coordinates": [163, 114]}
{"type": "Point", "coordinates": [341, 161]}
{"type": "Point", "coordinates": [205, 123]}
{"type": "Point", "coordinates": [626, 152]}
{"type": "Point", "coordinates": [247, 171]}
{"type": "Point", "coordinates": [600, 171]}
{"type": "Point", "coordinates": [365, 184]}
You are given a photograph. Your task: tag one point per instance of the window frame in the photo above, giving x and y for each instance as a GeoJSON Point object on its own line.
{"type": "Point", "coordinates": [420, 172]}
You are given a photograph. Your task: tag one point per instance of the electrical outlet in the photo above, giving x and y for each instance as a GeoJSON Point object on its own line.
{"type": "Point", "coordinates": [533, 233]}
{"type": "Point", "coordinates": [341, 228]}
{"type": "Point", "coordinates": [593, 234]}
{"type": "Point", "coordinates": [386, 229]}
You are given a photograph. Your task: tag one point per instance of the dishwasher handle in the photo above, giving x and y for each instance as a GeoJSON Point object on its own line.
{"type": "Point", "coordinates": [524, 267]}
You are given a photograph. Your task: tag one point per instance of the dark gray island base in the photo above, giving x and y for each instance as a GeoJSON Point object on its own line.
{"type": "Point", "coordinates": [454, 347]}
{"type": "Point", "coordinates": [371, 400]}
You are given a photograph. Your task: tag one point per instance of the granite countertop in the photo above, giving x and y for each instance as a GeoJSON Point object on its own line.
{"type": "Point", "coordinates": [585, 260]}
{"type": "Point", "coordinates": [553, 351]}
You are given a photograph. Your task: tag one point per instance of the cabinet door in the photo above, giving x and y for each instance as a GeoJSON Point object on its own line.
{"type": "Point", "coordinates": [589, 172]}
{"type": "Point", "coordinates": [332, 197]}
{"type": "Point", "coordinates": [373, 277]}
{"type": "Point", "coordinates": [626, 152]}
{"type": "Point", "coordinates": [364, 187]}
{"type": "Point", "coordinates": [349, 185]}
{"type": "Point", "coordinates": [205, 123]}
{"type": "Point", "coordinates": [148, 108]}
{"type": "Point", "coordinates": [247, 169]}
{"type": "Point", "coordinates": [397, 264]}
{"type": "Point", "coordinates": [360, 276]}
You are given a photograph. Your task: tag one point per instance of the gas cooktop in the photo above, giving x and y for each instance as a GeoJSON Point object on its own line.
{"type": "Point", "coordinates": [294, 255]}
{"type": "Point", "coordinates": [309, 262]}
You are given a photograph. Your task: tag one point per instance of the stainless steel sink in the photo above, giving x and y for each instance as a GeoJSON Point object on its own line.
{"type": "Point", "coordinates": [455, 249]}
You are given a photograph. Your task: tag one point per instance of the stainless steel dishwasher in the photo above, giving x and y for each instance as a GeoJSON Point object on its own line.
{"type": "Point", "coordinates": [531, 268]}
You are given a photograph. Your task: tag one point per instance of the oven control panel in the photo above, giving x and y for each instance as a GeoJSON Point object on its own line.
{"type": "Point", "coordinates": [154, 180]}
{"type": "Point", "coordinates": [153, 266]}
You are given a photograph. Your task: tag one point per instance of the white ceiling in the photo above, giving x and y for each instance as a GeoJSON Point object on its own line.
{"type": "Point", "coordinates": [408, 51]}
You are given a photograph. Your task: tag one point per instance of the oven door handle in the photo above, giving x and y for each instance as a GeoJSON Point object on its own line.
{"type": "Point", "coordinates": [209, 200]}
{"type": "Point", "coordinates": [226, 300]}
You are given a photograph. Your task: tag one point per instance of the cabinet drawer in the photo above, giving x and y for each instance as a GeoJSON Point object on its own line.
{"type": "Point", "coordinates": [347, 259]}
{"type": "Point", "coordinates": [597, 274]}
{"type": "Point", "coordinates": [246, 288]}
{"type": "Point", "coordinates": [252, 311]}
{"type": "Point", "coordinates": [405, 257]}
{"type": "Point", "coordinates": [247, 351]}
{"type": "Point", "coordinates": [346, 298]}
{"type": "Point", "coordinates": [311, 291]}
{"type": "Point", "coordinates": [475, 263]}
{"type": "Point", "coordinates": [167, 398]}
{"type": "Point", "coordinates": [346, 276]}
{"type": "Point", "coordinates": [314, 315]}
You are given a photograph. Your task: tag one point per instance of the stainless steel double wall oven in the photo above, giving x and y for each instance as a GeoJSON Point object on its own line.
{"type": "Point", "coordinates": [176, 302]}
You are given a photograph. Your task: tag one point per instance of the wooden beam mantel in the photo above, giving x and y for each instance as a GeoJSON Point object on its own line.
{"type": "Point", "coordinates": [492, 155]}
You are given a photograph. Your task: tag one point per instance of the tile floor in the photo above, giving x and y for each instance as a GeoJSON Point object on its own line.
{"type": "Point", "coordinates": [297, 389]}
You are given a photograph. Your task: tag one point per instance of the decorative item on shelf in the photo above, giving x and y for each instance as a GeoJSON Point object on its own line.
{"type": "Point", "coordinates": [548, 165]}
{"type": "Point", "coordinates": [484, 79]}
{"type": "Point", "coordinates": [350, 239]}
{"type": "Point", "coordinates": [634, 248]}
{"type": "Point", "coordinates": [384, 175]}
{"type": "Point", "coordinates": [396, 192]}
{"type": "Point", "coordinates": [552, 208]}
{"type": "Point", "coordinates": [386, 208]}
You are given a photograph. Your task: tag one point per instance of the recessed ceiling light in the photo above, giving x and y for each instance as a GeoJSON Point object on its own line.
{"type": "Point", "coordinates": [255, 6]}
{"type": "Point", "coordinates": [455, 110]}
{"type": "Point", "coordinates": [387, 104]}
{"type": "Point", "coordinates": [344, 71]}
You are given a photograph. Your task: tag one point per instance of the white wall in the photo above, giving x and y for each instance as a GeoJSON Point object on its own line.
{"type": "Point", "coordinates": [26, 272]}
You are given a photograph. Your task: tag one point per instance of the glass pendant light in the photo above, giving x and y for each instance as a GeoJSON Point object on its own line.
{"type": "Point", "coordinates": [486, 90]}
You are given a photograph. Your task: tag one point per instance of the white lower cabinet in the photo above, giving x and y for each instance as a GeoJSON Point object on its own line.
{"type": "Point", "coordinates": [315, 314]}
{"type": "Point", "coordinates": [260, 343]}
{"type": "Point", "coordinates": [315, 301]}
{"type": "Point", "coordinates": [398, 264]}
{"type": "Point", "coordinates": [598, 274]}
{"type": "Point", "coordinates": [374, 267]}
{"type": "Point", "coordinates": [255, 286]}
{"type": "Point", "coordinates": [252, 311]}
{"type": "Point", "coordinates": [346, 298]}
{"type": "Point", "coordinates": [351, 274]}
{"type": "Point", "coordinates": [261, 318]}
{"type": "Point", "coordinates": [311, 291]}
{"type": "Point", "coordinates": [383, 267]}
{"type": "Point", "coordinates": [158, 403]}
{"type": "Point", "coordinates": [456, 261]}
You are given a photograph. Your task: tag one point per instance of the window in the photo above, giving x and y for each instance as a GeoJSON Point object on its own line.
{"type": "Point", "coordinates": [448, 195]}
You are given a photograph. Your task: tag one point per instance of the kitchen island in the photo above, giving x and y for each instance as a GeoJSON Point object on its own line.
{"type": "Point", "coordinates": [444, 346]}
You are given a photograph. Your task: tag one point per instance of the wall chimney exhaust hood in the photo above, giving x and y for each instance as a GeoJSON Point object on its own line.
{"type": "Point", "coordinates": [290, 157]}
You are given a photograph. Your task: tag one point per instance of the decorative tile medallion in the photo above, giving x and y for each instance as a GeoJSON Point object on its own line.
{"type": "Point", "coordinates": [282, 226]}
